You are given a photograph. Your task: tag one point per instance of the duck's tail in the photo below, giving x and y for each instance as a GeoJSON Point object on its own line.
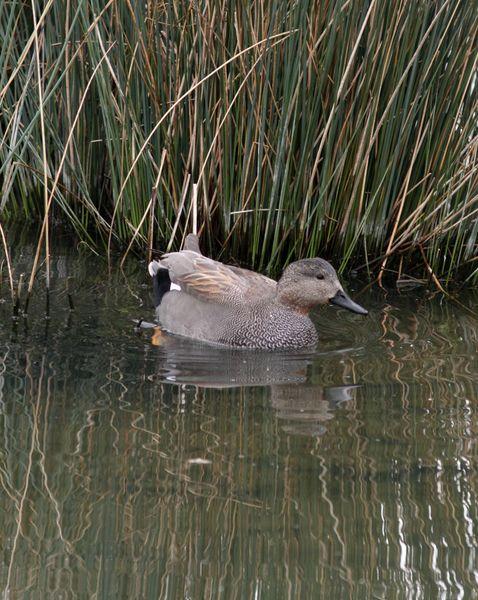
{"type": "Point", "coordinates": [161, 281]}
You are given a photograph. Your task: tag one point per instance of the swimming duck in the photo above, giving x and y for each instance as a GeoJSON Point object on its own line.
{"type": "Point", "coordinates": [206, 300]}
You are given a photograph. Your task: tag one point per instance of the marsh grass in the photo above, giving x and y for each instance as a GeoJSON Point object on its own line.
{"type": "Point", "coordinates": [334, 128]}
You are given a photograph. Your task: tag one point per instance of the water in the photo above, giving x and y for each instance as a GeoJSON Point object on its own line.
{"type": "Point", "coordinates": [130, 469]}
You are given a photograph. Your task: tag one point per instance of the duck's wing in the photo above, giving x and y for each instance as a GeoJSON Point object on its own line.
{"type": "Point", "coordinates": [213, 281]}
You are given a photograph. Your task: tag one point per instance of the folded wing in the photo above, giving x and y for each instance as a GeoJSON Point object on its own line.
{"type": "Point", "coordinates": [207, 279]}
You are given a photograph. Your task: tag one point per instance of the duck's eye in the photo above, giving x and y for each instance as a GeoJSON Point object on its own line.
{"type": "Point", "coordinates": [319, 276]}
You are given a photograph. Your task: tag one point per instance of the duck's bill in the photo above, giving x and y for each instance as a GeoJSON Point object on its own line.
{"type": "Point", "coordinates": [341, 299]}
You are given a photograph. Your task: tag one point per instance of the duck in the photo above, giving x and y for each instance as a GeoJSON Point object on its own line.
{"type": "Point", "coordinates": [206, 300]}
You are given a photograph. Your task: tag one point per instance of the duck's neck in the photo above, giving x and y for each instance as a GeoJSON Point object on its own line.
{"type": "Point", "coordinates": [287, 296]}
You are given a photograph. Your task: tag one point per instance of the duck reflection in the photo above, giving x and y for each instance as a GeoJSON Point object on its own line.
{"type": "Point", "coordinates": [302, 407]}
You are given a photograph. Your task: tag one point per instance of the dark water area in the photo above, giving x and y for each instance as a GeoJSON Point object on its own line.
{"type": "Point", "coordinates": [141, 466]}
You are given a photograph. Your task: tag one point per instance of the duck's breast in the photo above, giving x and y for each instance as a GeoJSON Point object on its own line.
{"type": "Point", "coordinates": [269, 326]}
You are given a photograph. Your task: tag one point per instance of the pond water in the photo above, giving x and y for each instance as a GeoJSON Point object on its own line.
{"type": "Point", "coordinates": [140, 466]}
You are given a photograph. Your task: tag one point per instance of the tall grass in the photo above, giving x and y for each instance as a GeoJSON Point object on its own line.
{"type": "Point", "coordinates": [335, 128]}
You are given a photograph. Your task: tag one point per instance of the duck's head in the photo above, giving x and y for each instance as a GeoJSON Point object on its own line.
{"type": "Point", "coordinates": [310, 282]}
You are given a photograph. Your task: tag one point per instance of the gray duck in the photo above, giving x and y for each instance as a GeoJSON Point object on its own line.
{"type": "Point", "coordinates": [206, 300]}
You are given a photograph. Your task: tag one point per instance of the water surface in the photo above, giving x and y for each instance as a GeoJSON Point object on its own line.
{"type": "Point", "coordinates": [134, 466]}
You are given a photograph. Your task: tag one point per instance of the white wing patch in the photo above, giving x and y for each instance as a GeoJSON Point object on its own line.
{"type": "Point", "coordinates": [153, 268]}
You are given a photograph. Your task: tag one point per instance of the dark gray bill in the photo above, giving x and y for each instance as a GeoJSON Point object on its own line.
{"type": "Point", "coordinates": [341, 299]}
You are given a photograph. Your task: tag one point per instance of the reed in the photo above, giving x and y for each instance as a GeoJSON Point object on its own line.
{"type": "Point", "coordinates": [334, 128]}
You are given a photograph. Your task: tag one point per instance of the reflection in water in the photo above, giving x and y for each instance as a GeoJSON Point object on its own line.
{"type": "Point", "coordinates": [305, 409]}
{"type": "Point", "coordinates": [134, 471]}
{"type": "Point", "coordinates": [304, 406]}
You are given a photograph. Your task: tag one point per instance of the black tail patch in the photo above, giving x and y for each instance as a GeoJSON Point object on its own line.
{"type": "Point", "coordinates": [161, 285]}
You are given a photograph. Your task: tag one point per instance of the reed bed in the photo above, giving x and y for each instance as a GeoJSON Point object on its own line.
{"type": "Point", "coordinates": [335, 128]}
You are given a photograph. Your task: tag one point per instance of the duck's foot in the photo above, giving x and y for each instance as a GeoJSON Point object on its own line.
{"type": "Point", "coordinates": [158, 336]}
